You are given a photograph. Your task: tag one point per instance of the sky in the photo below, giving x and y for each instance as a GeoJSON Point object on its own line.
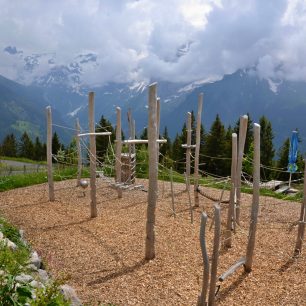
{"type": "Point", "coordinates": [137, 40]}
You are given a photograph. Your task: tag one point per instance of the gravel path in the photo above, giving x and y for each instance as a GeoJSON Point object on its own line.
{"type": "Point", "coordinates": [103, 257]}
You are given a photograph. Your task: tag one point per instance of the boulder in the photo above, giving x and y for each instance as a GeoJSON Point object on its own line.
{"type": "Point", "coordinates": [70, 295]}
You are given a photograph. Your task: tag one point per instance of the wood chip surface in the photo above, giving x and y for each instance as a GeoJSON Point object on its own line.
{"type": "Point", "coordinates": [104, 257]}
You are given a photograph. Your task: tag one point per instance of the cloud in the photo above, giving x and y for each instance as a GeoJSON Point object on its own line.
{"type": "Point", "coordinates": [174, 40]}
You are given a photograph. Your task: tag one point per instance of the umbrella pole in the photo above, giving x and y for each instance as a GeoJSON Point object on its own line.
{"type": "Point", "coordinates": [290, 179]}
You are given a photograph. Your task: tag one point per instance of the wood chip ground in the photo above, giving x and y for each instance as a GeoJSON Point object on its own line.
{"type": "Point", "coordinates": [104, 257]}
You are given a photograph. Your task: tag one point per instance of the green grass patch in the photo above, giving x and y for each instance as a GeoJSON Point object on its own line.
{"type": "Point", "coordinates": [23, 160]}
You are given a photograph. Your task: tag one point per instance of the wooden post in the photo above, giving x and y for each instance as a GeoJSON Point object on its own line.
{"type": "Point", "coordinates": [93, 157]}
{"type": "Point", "coordinates": [202, 297]}
{"type": "Point", "coordinates": [231, 208]}
{"type": "Point", "coordinates": [172, 192]}
{"type": "Point", "coordinates": [197, 151]}
{"type": "Point", "coordinates": [302, 221]}
{"type": "Point", "coordinates": [153, 172]}
{"type": "Point", "coordinates": [78, 144]}
{"type": "Point", "coordinates": [215, 256]}
{"type": "Point", "coordinates": [118, 151]}
{"type": "Point", "coordinates": [189, 198]}
{"type": "Point", "coordinates": [242, 136]}
{"type": "Point", "coordinates": [188, 150]}
{"type": "Point", "coordinates": [49, 154]}
{"type": "Point", "coordinates": [255, 201]}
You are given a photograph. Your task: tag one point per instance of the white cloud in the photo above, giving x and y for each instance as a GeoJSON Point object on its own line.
{"type": "Point", "coordinates": [136, 40]}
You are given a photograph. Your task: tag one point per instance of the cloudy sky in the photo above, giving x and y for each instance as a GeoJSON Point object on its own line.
{"type": "Point", "coordinates": [176, 40]}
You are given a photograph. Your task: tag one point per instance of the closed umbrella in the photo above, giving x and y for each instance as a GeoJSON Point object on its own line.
{"type": "Point", "coordinates": [292, 167]}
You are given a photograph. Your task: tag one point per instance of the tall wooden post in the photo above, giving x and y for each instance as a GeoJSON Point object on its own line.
{"type": "Point", "coordinates": [197, 151]}
{"type": "Point", "coordinates": [188, 150]}
{"type": "Point", "coordinates": [153, 172]}
{"type": "Point", "coordinates": [93, 157]}
{"type": "Point", "coordinates": [215, 256]}
{"type": "Point", "coordinates": [242, 136]}
{"type": "Point", "coordinates": [231, 208]}
{"type": "Point", "coordinates": [118, 150]}
{"type": "Point", "coordinates": [255, 201]}
{"type": "Point", "coordinates": [158, 124]}
{"type": "Point", "coordinates": [302, 221]}
{"type": "Point", "coordinates": [49, 153]}
{"type": "Point", "coordinates": [78, 144]}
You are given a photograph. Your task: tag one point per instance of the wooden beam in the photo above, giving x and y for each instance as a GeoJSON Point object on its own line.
{"type": "Point", "coordinates": [197, 151]}
{"type": "Point", "coordinates": [205, 281]}
{"type": "Point", "coordinates": [255, 201]}
{"type": "Point", "coordinates": [188, 152]}
{"type": "Point", "coordinates": [153, 173]}
{"type": "Point", "coordinates": [302, 221]}
{"type": "Point", "coordinates": [92, 153]}
{"type": "Point", "coordinates": [49, 153]}
{"type": "Point", "coordinates": [118, 150]}
{"type": "Point", "coordinates": [142, 141]}
{"type": "Point", "coordinates": [215, 255]}
{"type": "Point", "coordinates": [232, 269]}
{"type": "Point", "coordinates": [231, 208]}
{"type": "Point", "coordinates": [95, 134]}
{"type": "Point", "coordinates": [78, 144]}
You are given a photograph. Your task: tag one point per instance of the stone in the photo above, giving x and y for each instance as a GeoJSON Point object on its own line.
{"type": "Point", "coordinates": [32, 267]}
{"type": "Point", "coordinates": [35, 260]}
{"type": "Point", "coordinates": [43, 275]}
{"type": "Point", "coordinates": [36, 284]}
{"type": "Point", "coordinates": [70, 295]}
{"type": "Point", "coordinates": [10, 244]}
{"type": "Point", "coordinates": [24, 278]}
{"type": "Point", "coordinates": [1, 236]}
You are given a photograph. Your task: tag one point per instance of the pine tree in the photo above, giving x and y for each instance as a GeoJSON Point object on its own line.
{"type": "Point", "coordinates": [25, 146]}
{"type": "Point", "coordinates": [102, 142]}
{"type": "Point", "coordinates": [165, 148]}
{"type": "Point", "coordinates": [38, 150]}
{"type": "Point", "coordinates": [144, 134]}
{"type": "Point", "coordinates": [214, 148]}
{"type": "Point", "coordinates": [56, 145]}
{"type": "Point", "coordinates": [9, 146]}
{"type": "Point", "coordinates": [267, 151]}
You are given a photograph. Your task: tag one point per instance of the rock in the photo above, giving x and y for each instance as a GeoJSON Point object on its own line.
{"type": "Point", "coordinates": [24, 278]}
{"type": "Point", "coordinates": [1, 236]}
{"type": "Point", "coordinates": [70, 295]}
{"type": "Point", "coordinates": [36, 284]}
{"type": "Point", "coordinates": [10, 244]}
{"type": "Point", "coordinates": [32, 267]}
{"type": "Point", "coordinates": [35, 260]}
{"type": "Point", "coordinates": [43, 275]}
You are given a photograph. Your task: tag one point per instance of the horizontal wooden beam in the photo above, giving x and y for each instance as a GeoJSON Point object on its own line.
{"type": "Point", "coordinates": [96, 134]}
{"type": "Point", "coordinates": [142, 141]}
{"type": "Point", "coordinates": [188, 147]}
{"type": "Point", "coordinates": [232, 269]}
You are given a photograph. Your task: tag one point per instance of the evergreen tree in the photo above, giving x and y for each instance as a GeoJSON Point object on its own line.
{"type": "Point", "coordinates": [214, 148]}
{"type": "Point", "coordinates": [56, 145]}
{"type": "Point", "coordinates": [25, 146]}
{"type": "Point", "coordinates": [144, 134]}
{"type": "Point", "coordinates": [165, 148]}
{"type": "Point", "coordinates": [102, 142]}
{"type": "Point", "coordinates": [282, 162]}
{"type": "Point", "coordinates": [178, 153]}
{"type": "Point", "coordinates": [267, 151]}
{"type": "Point", "coordinates": [9, 146]}
{"type": "Point", "coordinates": [228, 151]}
{"type": "Point", "coordinates": [39, 154]}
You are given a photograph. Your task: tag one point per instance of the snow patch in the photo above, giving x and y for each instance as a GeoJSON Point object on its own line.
{"type": "Point", "coordinates": [138, 86]}
{"type": "Point", "coordinates": [75, 112]}
{"type": "Point", "coordinates": [273, 85]}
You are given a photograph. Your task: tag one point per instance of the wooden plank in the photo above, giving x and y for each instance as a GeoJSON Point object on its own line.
{"type": "Point", "coordinates": [153, 172]}
{"type": "Point", "coordinates": [255, 200]}
{"type": "Point", "coordinates": [92, 155]}
{"type": "Point", "coordinates": [188, 152]}
{"type": "Point", "coordinates": [78, 144]}
{"type": "Point", "coordinates": [49, 153]}
{"type": "Point", "coordinates": [95, 134]}
{"type": "Point", "coordinates": [197, 151]}
{"type": "Point", "coordinates": [142, 141]}
{"type": "Point", "coordinates": [232, 269]}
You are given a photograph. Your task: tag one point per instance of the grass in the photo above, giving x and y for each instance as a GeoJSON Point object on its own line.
{"type": "Point", "coordinates": [23, 160]}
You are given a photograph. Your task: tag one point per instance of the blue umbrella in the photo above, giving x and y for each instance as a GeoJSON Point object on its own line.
{"type": "Point", "coordinates": [292, 167]}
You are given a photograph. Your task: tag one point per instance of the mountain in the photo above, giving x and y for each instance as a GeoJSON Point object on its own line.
{"type": "Point", "coordinates": [23, 109]}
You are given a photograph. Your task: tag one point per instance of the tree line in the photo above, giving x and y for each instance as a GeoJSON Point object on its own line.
{"type": "Point", "coordinates": [215, 151]}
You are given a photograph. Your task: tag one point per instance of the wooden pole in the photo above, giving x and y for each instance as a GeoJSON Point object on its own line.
{"type": "Point", "coordinates": [231, 207]}
{"type": "Point", "coordinates": [255, 201]}
{"type": "Point", "coordinates": [93, 157]}
{"type": "Point", "coordinates": [153, 174]}
{"type": "Point", "coordinates": [78, 144]}
{"type": "Point", "coordinates": [215, 256]}
{"type": "Point", "coordinates": [242, 136]}
{"type": "Point", "coordinates": [188, 150]}
{"type": "Point", "coordinates": [302, 221]}
{"type": "Point", "coordinates": [202, 297]}
{"type": "Point", "coordinates": [49, 153]}
{"type": "Point", "coordinates": [189, 198]}
{"type": "Point", "coordinates": [197, 151]}
{"type": "Point", "coordinates": [118, 151]}
{"type": "Point", "coordinates": [172, 192]}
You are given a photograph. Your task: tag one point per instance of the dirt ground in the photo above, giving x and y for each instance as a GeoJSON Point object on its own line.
{"type": "Point", "coordinates": [104, 257]}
